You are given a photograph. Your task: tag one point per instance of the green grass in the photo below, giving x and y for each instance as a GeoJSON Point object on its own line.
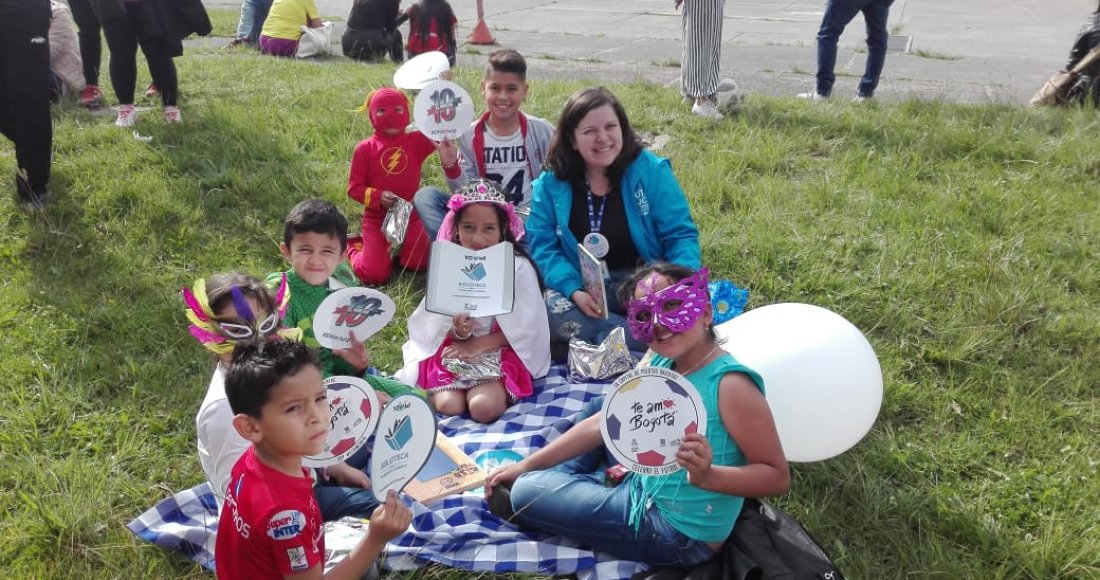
{"type": "Point", "coordinates": [962, 239]}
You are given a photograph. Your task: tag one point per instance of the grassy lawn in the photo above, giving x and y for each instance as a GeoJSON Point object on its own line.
{"type": "Point", "coordinates": [964, 240]}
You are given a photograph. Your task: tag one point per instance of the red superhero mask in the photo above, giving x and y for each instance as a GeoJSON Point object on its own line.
{"type": "Point", "coordinates": [389, 110]}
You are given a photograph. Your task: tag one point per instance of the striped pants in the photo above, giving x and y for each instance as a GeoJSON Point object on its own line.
{"type": "Point", "coordinates": [699, 62]}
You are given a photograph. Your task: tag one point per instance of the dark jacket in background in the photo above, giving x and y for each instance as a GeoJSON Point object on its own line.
{"type": "Point", "coordinates": [171, 20]}
{"type": "Point", "coordinates": [1087, 87]}
{"type": "Point", "coordinates": [13, 6]}
{"type": "Point", "coordinates": [367, 14]}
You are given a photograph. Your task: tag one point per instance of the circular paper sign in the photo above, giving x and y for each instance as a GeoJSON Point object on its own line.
{"type": "Point", "coordinates": [443, 110]}
{"type": "Point", "coordinates": [421, 70]}
{"type": "Point", "coordinates": [645, 417]}
{"type": "Point", "coordinates": [353, 412]}
{"type": "Point", "coordinates": [363, 311]}
{"type": "Point", "coordinates": [406, 437]}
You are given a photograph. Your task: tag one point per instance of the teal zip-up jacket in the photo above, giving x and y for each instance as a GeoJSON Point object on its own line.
{"type": "Point", "coordinates": [657, 213]}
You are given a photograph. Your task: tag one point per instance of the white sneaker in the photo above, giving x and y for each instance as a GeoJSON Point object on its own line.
{"type": "Point", "coordinates": [172, 115]}
{"type": "Point", "coordinates": [706, 109]}
{"type": "Point", "coordinates": [813, 96]}
{"type": "Point", "coordinates": [127, 116]}
{"type": "Point", "coordinates": [863, 98]}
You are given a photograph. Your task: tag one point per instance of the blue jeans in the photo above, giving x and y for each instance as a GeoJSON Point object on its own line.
{"type": "Point", "coordinates": [568, 321]}
{"type": "Point", "coordinates": [571, 500]}
{"type": "Point", "coordinates": [838, 13]}
{"type": "Point", "coordinates": [253, 15]}
{"type": "Point", "coordinates": [431, 205]}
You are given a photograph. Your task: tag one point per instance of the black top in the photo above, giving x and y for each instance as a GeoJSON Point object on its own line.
{"type": "Point", "coordinates": [13, 6]}
{"type": "Point", "coordinates": [368, 14]}
{"type": "Point", "coordinates": [622, 254]}
{"type": "Point", "coordinates": [1086, 40]}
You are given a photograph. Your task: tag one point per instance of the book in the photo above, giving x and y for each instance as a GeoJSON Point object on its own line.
{"type": "Point", "coordinates": [480, 283]}
{"type": "Point", "coordinates": [447, 472]}
{"type": "Point", "coordinates": [592, 275]}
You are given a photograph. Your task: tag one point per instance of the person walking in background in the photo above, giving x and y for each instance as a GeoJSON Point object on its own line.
{"type": "Point", "coordinates": [838, 13]}
{"type": "Point", "coordinates": [91, 51]}
{"type": "Point", "coordinates": [701, 55]}
{"type": "Point", "coordinates": [158, 27]}
{"type": "Point", "coordinates": [25, 94]}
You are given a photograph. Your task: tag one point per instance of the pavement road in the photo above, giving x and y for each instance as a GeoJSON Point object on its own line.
{"type": "Point", "coordinates": [961, 51]}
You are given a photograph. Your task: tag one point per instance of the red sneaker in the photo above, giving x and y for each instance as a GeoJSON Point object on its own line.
{"type": "Point", "coordinates": [151, 91]}
{"type": "Point", "coordinates": [91, 97]}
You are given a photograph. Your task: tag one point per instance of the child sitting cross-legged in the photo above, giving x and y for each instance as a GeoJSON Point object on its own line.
{"type": "Point", "coordinates": [509, 349]}
{"type": "Point", "coordinates": [315, 243]}
{"type": "Point", "coordinates": [270, 526]}
{"type": "Point", "coordinates": [680, 519]}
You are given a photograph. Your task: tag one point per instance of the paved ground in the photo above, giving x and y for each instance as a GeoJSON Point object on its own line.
{"type": "Point", "coordinates": [958, 50]}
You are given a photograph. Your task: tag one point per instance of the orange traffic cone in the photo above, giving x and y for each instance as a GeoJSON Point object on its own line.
{"type": "Point", "coordinates": [480, 34]}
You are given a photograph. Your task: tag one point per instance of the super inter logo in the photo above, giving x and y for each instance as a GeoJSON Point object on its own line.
{"type": "Point", "coordinates": [286, 524]}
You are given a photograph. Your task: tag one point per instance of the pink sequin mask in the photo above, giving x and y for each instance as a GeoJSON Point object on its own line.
{"type": "Point", "coordinates": [675, 307]}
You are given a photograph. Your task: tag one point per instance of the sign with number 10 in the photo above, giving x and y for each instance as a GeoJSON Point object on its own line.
{"type": "Point", "coordinates": [443, 111]}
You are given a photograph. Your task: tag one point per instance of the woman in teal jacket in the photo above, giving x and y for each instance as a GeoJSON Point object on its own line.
{"type": "Point", "coordinates": [602, 188]}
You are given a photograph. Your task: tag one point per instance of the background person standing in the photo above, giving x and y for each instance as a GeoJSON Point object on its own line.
{"type": "Point", "coordinates": [838, 13]}
{"type": "Point", "coordinates": [702, 54]}
{"type": "Point", "coordinates": [25, 94]}
{"type": "Point", "coordinates": [91, 51]}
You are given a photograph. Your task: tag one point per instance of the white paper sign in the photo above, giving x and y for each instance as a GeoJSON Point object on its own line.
{"type": "Point", "coordinates": [481, 283]}
{"type": "Point", "coordinates": [405, 439]}
{"type": "Point", "coordinates": [645, 417]}
{"type": "Point", "coordinates": [361, 310]}
{"type": "Point", "coordinates": [443, 110]}
{"type": "Point", "coordinates": [353, 411]}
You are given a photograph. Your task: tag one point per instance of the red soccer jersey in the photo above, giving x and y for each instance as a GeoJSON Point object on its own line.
{"type": "Point", "coordinates": [270, 525]}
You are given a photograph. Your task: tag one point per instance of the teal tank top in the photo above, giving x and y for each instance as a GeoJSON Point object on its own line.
{"type": "Point", "coordinates": [699, 514]}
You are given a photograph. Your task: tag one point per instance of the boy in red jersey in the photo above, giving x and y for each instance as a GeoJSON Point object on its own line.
{"type": "Point", "coordinates": [270, 524]}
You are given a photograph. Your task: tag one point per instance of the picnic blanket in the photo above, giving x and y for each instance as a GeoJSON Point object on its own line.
{"type": "Point", "coordinates": [458, 531]}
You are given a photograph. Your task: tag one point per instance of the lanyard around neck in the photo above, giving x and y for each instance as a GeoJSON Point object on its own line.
{"type": "Point", "coordinates": [595, 221]}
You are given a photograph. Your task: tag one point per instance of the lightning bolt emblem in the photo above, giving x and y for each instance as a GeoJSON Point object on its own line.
{"type": "Point", "coordinates": [394, 159]}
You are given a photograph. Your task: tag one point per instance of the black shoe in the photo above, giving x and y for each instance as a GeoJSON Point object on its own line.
{"type": "Point", "coordinates": [26, 194]}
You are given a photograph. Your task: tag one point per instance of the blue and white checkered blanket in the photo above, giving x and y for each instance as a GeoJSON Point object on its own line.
{"type": "Point", "coordinates": [459, 531]}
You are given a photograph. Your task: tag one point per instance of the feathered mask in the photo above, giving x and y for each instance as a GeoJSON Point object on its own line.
{"type": "Point", "coordinates": [479, 191]}
{"type": "Point", "coordinates": [221, 334]}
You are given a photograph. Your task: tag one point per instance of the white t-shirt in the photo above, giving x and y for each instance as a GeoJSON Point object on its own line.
{"type": "Point", "coordinates": [506, 163]}
{"type": "Point", "coordinates": [220, 446]}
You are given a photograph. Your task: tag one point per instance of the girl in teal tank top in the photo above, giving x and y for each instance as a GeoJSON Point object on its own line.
{"type": "Point", "coordinates": [680, 519]}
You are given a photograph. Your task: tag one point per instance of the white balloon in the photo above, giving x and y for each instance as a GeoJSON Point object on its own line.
{"type": "Point", "coordinates": [822, 379]}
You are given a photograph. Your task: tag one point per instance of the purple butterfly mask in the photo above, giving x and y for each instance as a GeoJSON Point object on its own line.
{"type": "Point", "coordinates": [675, 307]}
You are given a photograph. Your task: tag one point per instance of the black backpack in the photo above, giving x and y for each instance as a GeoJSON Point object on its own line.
{"type": "Point", "coordinates": [766, 544]}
